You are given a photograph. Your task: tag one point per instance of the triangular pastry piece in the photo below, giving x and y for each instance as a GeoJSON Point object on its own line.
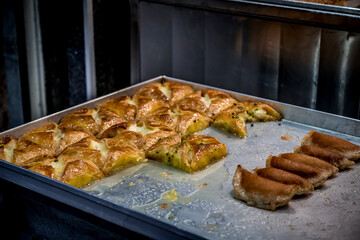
{"type": "Point", "coordinates": [232, 120]}
{"type": "Point", "coordinates": [257, 111]}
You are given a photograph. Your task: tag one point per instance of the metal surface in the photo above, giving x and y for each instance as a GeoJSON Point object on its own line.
{"type": "Point", "coordinates": [142, 198]}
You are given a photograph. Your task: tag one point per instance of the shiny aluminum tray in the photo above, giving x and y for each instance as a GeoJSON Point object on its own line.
{"type": "Point", "coordinates": [162, 202]}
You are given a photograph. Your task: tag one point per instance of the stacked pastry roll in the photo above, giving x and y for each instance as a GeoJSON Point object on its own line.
{"type": "Point", "coordinates": [158, 122]}
{"type": "Point", "coordinates": [319, 157]}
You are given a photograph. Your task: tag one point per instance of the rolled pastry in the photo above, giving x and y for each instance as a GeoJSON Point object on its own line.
{"type": "Point", "coordinates": [261, 192]}
{"type": "Point", "coordinates": [329, 156]}
{"type": "Point", "coordinates": [314, 175]}
{"type": "Point", "coordinates": [311, 161]}
{"type": "Point", "coordinates": [335, 144]}
{"type": "Point", "coordinates": [303, 186]}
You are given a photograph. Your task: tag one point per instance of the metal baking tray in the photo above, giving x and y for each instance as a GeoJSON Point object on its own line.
{"type": "Point", "coordinates": [162, 202]}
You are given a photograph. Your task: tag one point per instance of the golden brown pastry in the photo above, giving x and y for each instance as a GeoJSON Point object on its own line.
{"type": "Point", "coordinates": [177, 91]}
{"type": "Point", "coordinates": [232, 120]}
{"type": "Point", "coordinates": [190, 154]}
{"type": "Point", "coordinates": [205, 151]}
{"type": "Point", "coordinates": [257, 111]}
{"type": "Point", "coordinates": [88, 144]}
{"type": "Point", "coordinates": [7, 146]}
{"type": "Point", "coordinates": [314, 175]}
{"type": "Point", "coordinates": [121, 155]}
{"type": "Point", "coordinates": [335, 144]}
{"type": "Point", "coordinates": [331, 157]}
{"type": "Point", "coordinates": [154, 91]}
{"type": "Point", "coordinates": [69, 134]}
{"type": "Point", "coordinates": [25, 150]}
{"type": "Point", "coordinates": [135, 139]}
{"type": "Point", "coordinates": [89, 149]}
{"type": "Point", "coordinates": [188, 122]}
{"type": "Point", "coordinates": [76, 172]}
{"type": "Point", "coordinates": [108, 154]}
{"type": "Point", "coordinates": [166, 148]}
{"type": "Point", "coordinates": [84, 118]}
{"type": "Point", "coordinates": [311, 161]}
{"type": "Point", "coordinates": [79, 173]}
{"type": "Point", "coordinates": [219, 101]}
{"type": "Point", "coordinates": [303, 186]}
{"type": "Point", "coordinates": [45, 136]}
{"type": "Point", "coordinates": [44, 165]}
{"type": "Point", "coordinates": [261, 192]}
{"type": "Point", "coordinates": [193, 102]}
{"type": "Point", "coordinates": [161, 118]}
{"type": "Point", "coordinates": [122, 106]}
{"type": "Point", "coordinates": [105, 119]}
{"type": "Point", "coordinates": [148, 105]}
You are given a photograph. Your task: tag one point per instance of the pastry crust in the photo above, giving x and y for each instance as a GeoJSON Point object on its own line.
{"type": "Point", "coordinates": [151, 91]}
{"type": "Point", "coordinates": [335, 144]}
{"type": "Point", "coordinates": [331, 157]}
{"type": "Point", "coordinates": [69, 134]}
{"type": "Point", "coordinates": [188, 122]}
{"type": "Point", "coordinates": [311, 161]}
{"type": "Point", "coordinates": [177, 91]}
{"type": "Point", "coordinates": [190, 154]}
{"type": "Point", "coordinates": [257, 111]}
{"type": "Point", "coordinates": [303, 186]}
{"type": "Point", "coordinates": [148, 105]}
{"type": "Point", "coordinates": [122, 106]}
{"type": "Point", "coordinates": [219, 101]}
{"type": "Point", "coordinates": [79, 173]}
{"type": "Point", "coordinates": [193, 102]}
{"type": "Point", "coordinates": [161, 118]}
{"type": "Point", "coordinates": [261, 192]}
{"type": "Point", "coordinates": [232, 120]}
{"type": "Point", "coordinates": [118, 132]}
{"type": "Point", "coordinates": [315, 176]}
{"type": "Point", "coordinates": [7, 146]}
{"type": "Point", "coordinates": [105, 119]}
{"type": "Point", "coordinates": [89, 149]}
{"type": "Point", "coordinates": [83, 118]}
{"type": "Point", "coordinates": [121, 155]}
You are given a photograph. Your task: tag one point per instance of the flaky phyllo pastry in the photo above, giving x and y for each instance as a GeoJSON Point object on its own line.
{"type": "Point", "coordinates": [159, 122]}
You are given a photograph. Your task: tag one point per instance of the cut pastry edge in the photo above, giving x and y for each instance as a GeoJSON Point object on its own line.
{"type": "Point", "coordinates": [257, 111]}
{"type": "Point", "coordinates": [232, 121]}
